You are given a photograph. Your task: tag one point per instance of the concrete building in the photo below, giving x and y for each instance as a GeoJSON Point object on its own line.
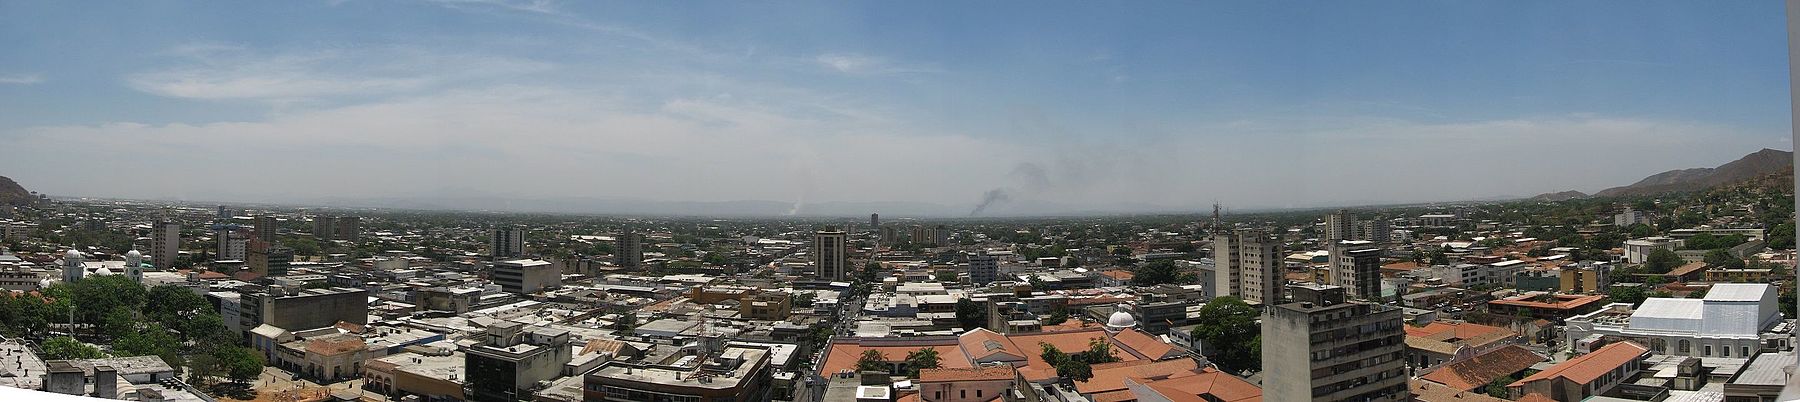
{"type": "Point", "coordinates": [710, 371]}
{"type": "Point", "coordinates": [1586, 277]}
{"type": "Point", "coordinates": [629, 252]}
{"type": "Point", "coordinates": [337, 227]}
{"type": "Point", "coordinates": [1332, 349]}
{"type": "Point", "coordinates": [1356, 266]}
{"type": "Point", "coordinates": [512, 359]}
{"type": "Point", "coordinates": [1638, 250]}
{"type": "Point", "coordinates": [983, 268]}
{"type": "Point", "coordinates": [304, 309]}
{"type": "Point", "coordinates": [268, 259]}
{"type": "Point", "coordinates": [1227, 265]}
{"type": "Point", "coordinates": [266, 228]}
{"type": "Point", "coordinates": [1734, 320]}
{"type": "Point", "coordinates": [1248, 265]}
{"type": "Point", "coordinates": [430, 376]}
{"type": "Point", "coordinates": [507, 242]}
{"type": "Point", "coordinates": [1586, 375]}
{"type": "Point", "coordinates": [1630, 217]}
{"type": "Point", "coordinates": [526, 276]}
{"type": "Point", "coordinates": [232, 243]}
{"type": "Point", "coordinates": [165, 244]}
{"type": "Point", "coordinates": [830, 257]}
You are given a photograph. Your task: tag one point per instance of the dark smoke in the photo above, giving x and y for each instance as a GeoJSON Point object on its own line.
{"type": "Point", "coordinates": [990, 198]}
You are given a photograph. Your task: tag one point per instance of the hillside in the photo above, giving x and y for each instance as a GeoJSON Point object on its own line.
{"type": "Point", "coordinates": [11, 193]}
{"type": "Point", "coordinates": [1755, 165]}
{"type": "Point", "coordinates": [1559, 196]}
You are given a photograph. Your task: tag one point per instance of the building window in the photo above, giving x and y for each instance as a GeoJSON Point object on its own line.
{"type": "Point", "coordinates": [1708, 349]}
{"type": "Point", "coordinates": [1682, 346]}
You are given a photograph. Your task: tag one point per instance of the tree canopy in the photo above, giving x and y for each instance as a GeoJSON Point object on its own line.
{"type": "Point", "coordinates": [1228, 330]}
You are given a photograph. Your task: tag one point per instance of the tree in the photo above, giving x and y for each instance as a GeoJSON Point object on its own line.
{"type": "Point", "coordinates": [970, 314]}
{"type": "Point", "coordinates": [1641, 230]}
{"type": "Point", "coordinates": [1440, 256]}
{"type": "Point", "coordinates": [805, 299]}
{"type": "Point", "coordinates": [1098, 352]}
{"type": "Point", "coordinates": [626, 321]}
{"type": "Point", "coordinates": [924, 358]}
{"type": "Point", "coordinates": [1160, 272]}
{"type": "Point", "coordinates": [1626, 294]}
{"type": "Point", "coordinates": [1662, 261]}
{"type": "Point", "coordinates": [1723, 259]}
{"type": "Point", "coordinates": [944, 275]}
{"type": "Point", "coordinates": [872, 360]}
{"type": "Point", "coordinates": [1057, 317]}
{"type": "Point", "coordinates": [1782, 236]}
{"type": "Point", "coordinates": [239, 363]}
{"type": "Point", "coordinates": [1228, 329]}
{"type": "Point", "coordinates": [64, 348]}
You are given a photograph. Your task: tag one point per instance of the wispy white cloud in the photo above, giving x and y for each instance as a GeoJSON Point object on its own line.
{"type": "Point", "coordinates": [529, 6]}
{"type": "Point", "coordinates": [21, 79]}
{"type": "Point", "coordinates": [210, 71]}
{"type": "Point", "coordinates": [853, 63]}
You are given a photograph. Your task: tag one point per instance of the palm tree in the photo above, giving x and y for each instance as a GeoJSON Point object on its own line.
{"type": "Point", "coordinates": [924, 358]}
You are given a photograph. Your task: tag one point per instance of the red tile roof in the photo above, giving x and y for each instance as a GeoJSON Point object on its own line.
{"type": "Point", "coordinates": [985, 373]}
{"type": "Point", "coordinates": [1585, 368]}
{"type": "Point", "coordinates": [1484, 368]}
{"type": "Point", "coordinates": [1209, 382]}
{"type": "Point", "coordinates": [1111, 376]}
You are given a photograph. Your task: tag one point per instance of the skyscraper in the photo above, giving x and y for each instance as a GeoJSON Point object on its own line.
{"type": "Point", "coordinates": [165, 244]}
{"type": "Point", "coordinates": [1248, 265]}
{"type": "Point", "coordinates": [630, 250]}
{"type": "Point", "coordinates": [1340, 225]}
{"type": "Point", "coordinates": [1263, 276]}
{"type": "Point", "coordinates": [830, 260]}
{"type": "Point", "coordinates": [507, 242]}
{"type": "Point", "coordinates": [266, 227]}
{"type": "Point", "coordinates": [1330, 349]}
{"type": "Point", "coordinates": [1356, 266]}
{"type": "Point", "coordinates": [983, 268]}
{"type": "Point", "coordinates": [874, 222]}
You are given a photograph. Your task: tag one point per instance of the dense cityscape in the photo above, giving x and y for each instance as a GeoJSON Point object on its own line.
{"type": "Point", "coordinates": [1651, 295]}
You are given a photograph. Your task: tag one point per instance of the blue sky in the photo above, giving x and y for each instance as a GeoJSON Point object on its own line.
{"type": "Point", "coordinates": [1254, 104]}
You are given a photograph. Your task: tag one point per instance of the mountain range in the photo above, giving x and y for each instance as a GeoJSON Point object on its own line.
{"type": "Point", "coordinates": [1755, 165]}
{"type": "Point", "coordinates": [11, 193]}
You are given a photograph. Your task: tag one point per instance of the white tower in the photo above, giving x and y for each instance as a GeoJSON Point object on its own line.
{"type": "Point", "coordinates": [134, 266]}
{"type": "Point", "coordinates": [74, 266]}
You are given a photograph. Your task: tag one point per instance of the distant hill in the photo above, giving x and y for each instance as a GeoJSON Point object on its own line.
{"type": "Point", "coordinates": [1559, 196]}
{"type": "Point", "coordinates": [11, 193]}
{"type": "Point", "coordinates": [1755, 165]}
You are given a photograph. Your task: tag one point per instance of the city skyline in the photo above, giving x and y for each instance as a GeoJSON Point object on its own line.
{"type": "Point", "coordinates": [1090, 107]}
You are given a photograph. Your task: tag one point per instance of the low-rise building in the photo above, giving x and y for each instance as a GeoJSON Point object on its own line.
{"type": "Point", "coordinates": [1586, 375]}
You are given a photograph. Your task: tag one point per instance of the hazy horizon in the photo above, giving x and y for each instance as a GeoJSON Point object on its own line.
{"type": "Point", "coordinates": [1089, 106]}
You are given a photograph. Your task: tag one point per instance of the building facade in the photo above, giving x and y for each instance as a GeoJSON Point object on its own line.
{"type": "Point", "coordinates": [526, 276]}
{"type": "Point", "coordinates": [1330, 349]}
{"type": "Point", "coordinates": [829, 255]}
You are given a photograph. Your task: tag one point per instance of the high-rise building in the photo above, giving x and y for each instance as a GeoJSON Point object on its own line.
{"type": "Point", "coordinates": [348, 228]}
{"type": "Point", "coordinates": [508, 242]}
{"type": "Point", "coordinates": [918, 234]}
{"type": "Point", "coordinates": [940, 236]}
{"type": "Point", "coordinates": [232, 243]}
{"type": "Point", "coordinates": [266, 259]}
{"type": "Point", "coordinates": [1263, 276]}
{"type": "Point", "coordinates": [874, 222]}
{"type": "Point", "coordinates": [1228, 268]}
{"type": "Point", "coordinates": [526, 276]}
{"type": "Point", "coordinates": [165, 244]}
{"type": "Point", "coordinates": [1340, 225]}
{"type": "Point", "coordinates": [266, 228]}
{"type": "Point", "coordinates": [1248, 265]}
{"type": "Point", "coordinates": [337, 228]}
{"type": "Point", "coordinates": [629, 252]}
{"type": "Point", "coordinates": [1356, 266]}
{"type": "Point", "coordinates": [1333, 349]}
{"type": "Point", "coordinates": [983, 268]}
{"type": "Point", "coordinates": [829, 255]}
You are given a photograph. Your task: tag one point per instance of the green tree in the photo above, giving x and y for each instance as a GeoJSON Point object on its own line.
{"type": "Point", "coordinates": [64, 348]}
{"type": "Point", "coordinates": [1057, 317]}
{"type": "Point", "coordinates": [151, 339]}
{"type": "Point", "coordinates": [872, 360]}
{"type": "Point", "coordinates": [1662, 261]}
{"type": "Point", "coordinates": [1723, 259]}
{"type": "Point", "coordinates": [1160, 272]}
{"type": "Point", "coordinates": [239, 363]}
{"type": "Point", "coordinates": [1626, 294]}
{"type": "Point", "coordinates": [970, 314]}
{"type": "Point", "coordinates": [944, 275]}
{"type": "Point", "coordinates": [1228, 330]}
{"type": "Point", "coordinates": [924, 358]}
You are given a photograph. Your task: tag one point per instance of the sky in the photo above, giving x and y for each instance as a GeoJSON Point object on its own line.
{"type": "Point", "coordinates": [1266, 104]}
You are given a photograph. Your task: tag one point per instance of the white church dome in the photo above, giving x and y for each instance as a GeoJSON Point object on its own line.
{"type": "Point", "coordinates": [73, 254]}
{"type": "Point", "coordinates": [133, 253]}
{"type": "Point", "coordinates": [102, 272]}
{"type": "Point", "coordinates": [1120, 320]}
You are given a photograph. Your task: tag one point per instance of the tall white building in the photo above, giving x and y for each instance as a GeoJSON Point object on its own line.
{"type": "Point", "coordinates": [74, 266]}
{"type": "Point", "coordinates": [165, 244]}
{"type": "Point", "coordinates": [232, 244]}
{"type": "Point", "coordinates": [508, 242]}
{"type": "Point", "coordinates": [1248, 265]}
{"type": "Point", "coordinates": [829, 254]}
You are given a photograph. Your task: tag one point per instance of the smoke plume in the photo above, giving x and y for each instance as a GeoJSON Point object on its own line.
{"type": "Point", "coordinates": [990, 198]}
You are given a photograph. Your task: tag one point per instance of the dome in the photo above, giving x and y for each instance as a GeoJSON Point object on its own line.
{"type": "Point", "coordinates": [43, 283]}
{"type": "Point", "coordinates": [102, 272]}
{"type": "Point", "coordinates": [1121, 320]}
{"type": "Point", "coordinates": [133, 253]}
{"type": "Point", "coordinates": [73, 254]}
